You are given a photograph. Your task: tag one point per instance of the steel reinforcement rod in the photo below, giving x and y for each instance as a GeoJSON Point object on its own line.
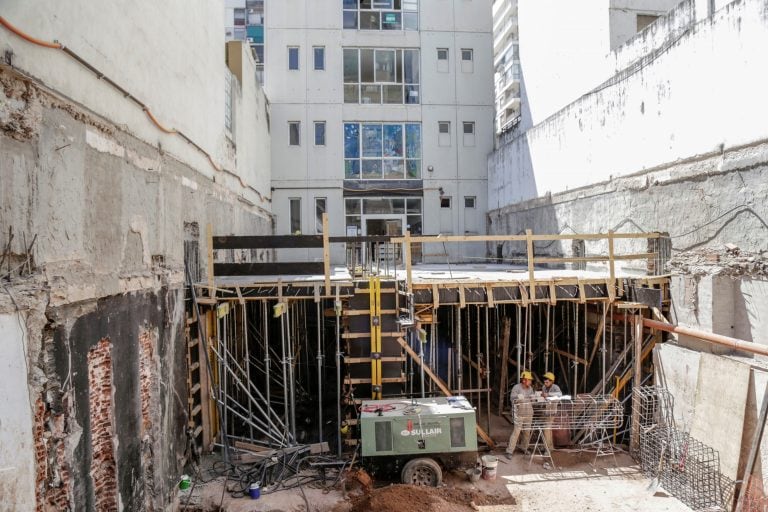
{"type": "Point", "coordinates": [717, 339]}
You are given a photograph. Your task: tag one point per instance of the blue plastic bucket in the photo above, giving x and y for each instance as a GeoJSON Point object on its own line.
{"type": "Point", "coordinates": [254, 491]}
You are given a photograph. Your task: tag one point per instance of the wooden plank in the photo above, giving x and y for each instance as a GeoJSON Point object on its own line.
{"type": "Point", "coordinates": [719, 410]}
{"type": "Point", "coordinates": [635, 256]}
{"type": "Point", "coordinates": [407, 257]}
{"type": "Point", "coordinates": [209, 238]}
{"type": "Point", "coordinates": [530, 257]}
{"type": "Point", "coordinates": [579, 259]}
{"type": "Point", "coordinates": [509, 238]}
{"type": "Point", "coordinates": [384, 359]}
{"type": "Point", "coordinates": [506, 329]}
{"type": "Point", "coordinates": [326, 255]}
{"type": "Point", "coordinates": [462, 297]}
{"type": "Point", "coordinates": [364, 312]}
{"type": "Point", "coordinates": [489, 296]}
{"type": "Point", "coordinates": [268, 242]}
{"type": "Point", "coordinates": [435, 297]}
{"type": "Point", "coordinates": [570, 356]}
{"type": "Point", "coordinates": [268, 269]}
{"type": "Point", "coordinates": [552, 293]}
{"type": "Point", "coordinates": [441, 385]}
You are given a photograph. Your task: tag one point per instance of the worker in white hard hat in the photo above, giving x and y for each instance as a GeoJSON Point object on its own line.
{"type": "Point", "coordinates": [520, 398]}
{"type": "Point", "coordinates": [550, 390]}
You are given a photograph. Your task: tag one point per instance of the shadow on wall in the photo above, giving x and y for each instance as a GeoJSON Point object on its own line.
{"type": "Point", "coordinates": [515, 179]}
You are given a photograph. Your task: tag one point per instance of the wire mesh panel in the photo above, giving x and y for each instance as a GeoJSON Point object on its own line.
{"type": "Point", "coordinates": [686, 468]}
{"type": "Point", "coordinates": [580, 412]}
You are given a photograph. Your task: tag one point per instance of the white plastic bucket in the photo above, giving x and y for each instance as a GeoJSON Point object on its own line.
{"type": "Point", "coordinates": [489, 467]}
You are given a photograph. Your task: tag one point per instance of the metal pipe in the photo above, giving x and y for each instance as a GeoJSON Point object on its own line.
{"type": "Point", "coordinates": [576, 350]}
{"type": "Point", "coordinates": [247, 356]}
{"type": "Point", "coordinates": [717, 339]}
{"type": "Point", "coordinates": [267, 360]}
{"type": "Point", "coordinates": [546, 341]}
{"type": "Point", "coordinates": [602, 348]}
{"type": "Point", "coordinates": [337, 310]}
{"type": "Point", "coordinates": [319, 377]}
{"type": "Point", "coordinates": [291, 386]}
{"type": "Point", "coordinates": [225, 355]}
{"type": "Point", "coordinates": [519, 346]}
{"type": "Point", "coordinates": [421, 358]}
{"type": "Point", "coordinates": [459, 362]}
{"type": "Point", "coordinates": [488, 373]}
{"type": "Point", "coordinates": [286, 418]}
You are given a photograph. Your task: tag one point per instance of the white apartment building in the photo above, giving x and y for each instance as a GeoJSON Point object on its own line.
{"type": "Point", "coordinates": [381, 116]}
{"type": "Point", "coordinates": [506, 64]}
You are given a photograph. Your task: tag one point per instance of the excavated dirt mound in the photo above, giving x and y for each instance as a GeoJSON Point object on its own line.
{"type": "Point", "coordinates": [403, 498]}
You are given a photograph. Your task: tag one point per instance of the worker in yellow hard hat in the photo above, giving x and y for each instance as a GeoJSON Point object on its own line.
{"type": "Point", "coordinates": [522, 412]}
{"type": "Point", "coordinates": [550, 390]}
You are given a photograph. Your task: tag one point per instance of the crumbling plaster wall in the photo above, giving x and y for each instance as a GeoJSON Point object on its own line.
{"type": "Point", "coordinates": [147, 48]}
{"type": "Point", "coordinates": [111, 214]}
{"type": "Point", "coordinates": [644, 155]}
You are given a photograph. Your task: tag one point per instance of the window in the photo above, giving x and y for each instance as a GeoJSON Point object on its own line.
{"type": "Point", "coordinates": [469, 201]}
{"type": "Point", "coordinates": [293, 57]}
{"type": "Point", "coordinates": [382, 151]}
{"type": "Point", "coordinates": [643, 20]}
{"type": "Point", "coordinates": [294, 215]}
{"type": "Point", "coordinates": [319, 57]}
{"type": "Point", "coordinates": [467, 60]}
{"type": "Point", "coordinates": [381, 14]}
{"type": "Point", "coordinates": [445, 202]}
{"type": "Point", "coordinates": [320, 204]}
{"type": "Point", "coordinates": [442, 60]}
{"type": "Point", "coordinates": [443, 133]}
{"type": "Point", "coordinates": [469, 133]}
{"type": "Point", "coordinates": [355, 208]}
{"type": "Point", "coordinates": [376, 76]}
{"type": "Point", "coordinates": [319, 133]}
{"type": "Point", "coordinates": [293, 133]}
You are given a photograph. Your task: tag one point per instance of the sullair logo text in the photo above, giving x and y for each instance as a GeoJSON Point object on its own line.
{"type": "Point", "coordinates": [430, 430]}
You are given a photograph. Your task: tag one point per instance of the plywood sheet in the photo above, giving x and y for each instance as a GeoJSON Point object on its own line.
{"type": "Point", "coordinates": [720, 406]}
{"type": "Point", "coordinates": [680, 375]}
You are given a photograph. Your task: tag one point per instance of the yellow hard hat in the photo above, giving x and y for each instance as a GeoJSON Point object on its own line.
{"type": "Point", "coordinates": [526, 375]}
{"type": "Point", "coordinates": [550, 376]}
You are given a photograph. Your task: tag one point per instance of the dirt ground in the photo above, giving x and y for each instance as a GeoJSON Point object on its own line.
{"type": "Point", "coordinates": [577, 483]}
{"type": "Point", "coordinates": [574, 485]}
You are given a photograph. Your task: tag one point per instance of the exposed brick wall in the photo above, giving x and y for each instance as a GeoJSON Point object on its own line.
{"type": "Point", "coordinates": [147, 379]}
{"type": "Point", "coordinates": [52, 482]}
{"type": "Point", "coordinates": [101, 413]}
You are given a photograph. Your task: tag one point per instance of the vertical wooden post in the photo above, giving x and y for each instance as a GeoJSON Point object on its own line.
{"type": "Point", "coordinates": [326, 256]}
{"type": "Point", "coordinates": [611, 267]}
{"type": "Point", "coordinates": [529, 251]}
{"type": "Point", "coordinates": [209, 238]}
{"type": "Point", "coordinates": [638, 341]}
{"type": "Point", "coordinates": [506, 328]}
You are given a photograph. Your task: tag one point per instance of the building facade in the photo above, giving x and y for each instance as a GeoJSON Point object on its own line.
{"type": "Point", "coordinates": [381, 116]}
{"type": "Point", "coordinates": [244, 21]}
{"type": "Point", "coordinates": [506, 65]}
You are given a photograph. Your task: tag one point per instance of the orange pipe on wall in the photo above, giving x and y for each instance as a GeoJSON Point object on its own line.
{"type": "Point", "coordinates": [717, 339]}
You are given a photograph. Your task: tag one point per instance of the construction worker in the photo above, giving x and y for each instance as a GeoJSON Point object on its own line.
{"type": "Point", "coordinates": [550, 389]}
{"type": "Point", "coordinates": [520, 398]}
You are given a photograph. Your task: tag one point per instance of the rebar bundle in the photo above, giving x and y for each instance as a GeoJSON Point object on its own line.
{"type": "Point", "coordinates": [687, 468]}
{"type": "Point", "coordinates": [587, 412]}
